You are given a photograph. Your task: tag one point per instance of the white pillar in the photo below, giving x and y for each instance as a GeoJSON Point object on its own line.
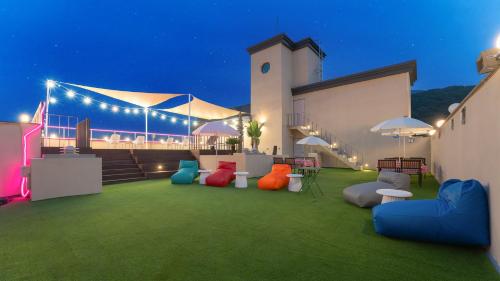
{"type": "Point", "coordinates": [189, 121]}
{"type": "Point", "coordinates": [146, 110]}
{"type": "Point", "coordinates": [47, 102]}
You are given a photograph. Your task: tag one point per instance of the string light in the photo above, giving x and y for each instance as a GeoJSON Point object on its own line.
{"type": "Point", "coordinates": [53, 136]}
{"type": "Point", "coordinates": [70, 94]}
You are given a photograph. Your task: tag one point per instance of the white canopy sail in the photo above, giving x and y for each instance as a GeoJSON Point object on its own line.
{"type": "Point", "coordinates": [137, 98]}
{"type": "Point", "coordinates": [202, 109]}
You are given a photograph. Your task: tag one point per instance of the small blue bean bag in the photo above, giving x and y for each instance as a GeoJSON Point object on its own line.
{"type": "Point", "coordinates": [188, 171]}
{"type": "Point", "coordinates": [459, 215]}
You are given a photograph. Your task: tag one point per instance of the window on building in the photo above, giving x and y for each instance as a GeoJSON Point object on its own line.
{"type": "Point", "coordinates": [453, 123]}
{"type": "Point", "coordinates": [463, 114]}
{"type": "Point", "coordinates": [265, 67]}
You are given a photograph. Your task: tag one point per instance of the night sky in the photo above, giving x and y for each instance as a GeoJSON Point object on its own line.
{"type": "Point", "coordinates": [199, 47]}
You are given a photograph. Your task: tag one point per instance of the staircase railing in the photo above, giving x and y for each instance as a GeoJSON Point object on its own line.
{"type": "Point", "coordinates": [342, 148]}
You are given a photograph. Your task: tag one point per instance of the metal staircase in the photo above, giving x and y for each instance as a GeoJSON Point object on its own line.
{"type": "Point", "coordinates": [342, 151]}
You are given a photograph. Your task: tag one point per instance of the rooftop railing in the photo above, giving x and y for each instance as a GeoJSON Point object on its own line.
{"type": "Point", "coordinates": [60, 136]}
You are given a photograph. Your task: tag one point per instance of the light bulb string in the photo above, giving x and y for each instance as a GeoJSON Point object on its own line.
{"type": "Point", "coordinates": [123, 108]}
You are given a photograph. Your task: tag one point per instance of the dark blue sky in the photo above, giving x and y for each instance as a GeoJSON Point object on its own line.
{"type": "Point", "coordinates": [200, 46]}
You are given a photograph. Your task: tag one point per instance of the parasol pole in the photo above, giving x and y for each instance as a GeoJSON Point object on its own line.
{"type": "Point", "coordinates": [404, 147]}
{"type": "Point", "coordinates": [189, 120]}
{"type": "Point", "coordinates": [399, 142]}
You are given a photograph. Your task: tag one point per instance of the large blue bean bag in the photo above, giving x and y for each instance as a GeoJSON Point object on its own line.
{"type": "Point", "coordinates": [459, 215]}
{"type": "Point", "coordinates": [188, 171]}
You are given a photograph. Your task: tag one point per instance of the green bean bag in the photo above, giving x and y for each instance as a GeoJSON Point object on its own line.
{"type": "Point", "coordinates": [188, 171]}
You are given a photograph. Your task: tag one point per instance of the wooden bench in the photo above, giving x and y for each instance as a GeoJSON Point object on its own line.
{"type": "Point", "coordinates": [406, 166]}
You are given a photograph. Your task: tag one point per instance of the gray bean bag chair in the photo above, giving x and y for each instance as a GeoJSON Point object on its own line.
{"type": "Point", "coordinates": [364, 194]}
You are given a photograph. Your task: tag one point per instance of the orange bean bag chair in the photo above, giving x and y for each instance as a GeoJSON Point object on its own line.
{"type": "Point", "coordinates": [276, 179]}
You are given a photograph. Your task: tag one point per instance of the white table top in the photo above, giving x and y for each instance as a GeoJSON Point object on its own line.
{"type": "Point", "coordinates": [241, 173]}
{"type": "Point", "coordinates": [295, 175]}
{"type": "Point", "coordinates": [204, 171]}
{"type": "Point", "coordinates": [394, 193]}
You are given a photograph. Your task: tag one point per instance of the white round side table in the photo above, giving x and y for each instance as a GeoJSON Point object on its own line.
{"type": "Point", "coordinates": [390, 195]}
{"type": "Point", "coordinates": [241, 179]}
{"type": "Point", "coordinates": [203, 175]}
{"type": "Point", "coordinates": [295, 183]}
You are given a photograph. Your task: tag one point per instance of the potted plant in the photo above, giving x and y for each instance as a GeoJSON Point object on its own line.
{"type": "Point", "coordinates": [232, 142]}
{"type": "Point", "coordinates": [254, 131]}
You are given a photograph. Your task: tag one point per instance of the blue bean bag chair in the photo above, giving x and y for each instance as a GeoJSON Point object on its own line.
{"type": "Point", "coordinates": [188, 171]}
{"type": "Point", "coordinates": [459, 215]}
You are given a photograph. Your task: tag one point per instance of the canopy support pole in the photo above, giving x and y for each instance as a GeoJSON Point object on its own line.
{"type": "Point", "coordinates": [189, 121]}
{"type": "Point", "coordinates": [146, 132]}
{"type": "Point", "coordinates": [47, 102]}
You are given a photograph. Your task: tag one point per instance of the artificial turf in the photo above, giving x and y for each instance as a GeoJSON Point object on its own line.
{"type": "Point", "coordinates": [153, 230]}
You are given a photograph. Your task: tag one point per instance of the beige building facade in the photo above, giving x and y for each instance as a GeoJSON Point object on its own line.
{"type": "Point", "coordinates": [467, 146]}
{"type": "Point", "coordinates": [290, 98]}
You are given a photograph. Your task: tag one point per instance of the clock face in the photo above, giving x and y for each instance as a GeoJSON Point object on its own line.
{"type": "Point", "coordinates": [265, 67]}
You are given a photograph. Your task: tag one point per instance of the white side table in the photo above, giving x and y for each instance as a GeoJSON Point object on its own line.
{"type": "Point", "coordinates": [295, 183]}
{"type": "Point", "coordinates": [203, 175]}
{"type": "Point", "coordinates": [390, 195]}
{"type": "Point", "coordinates": [241, 179]}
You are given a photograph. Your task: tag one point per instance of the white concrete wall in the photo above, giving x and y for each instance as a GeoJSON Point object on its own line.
{"type": "Point", "coordinates": [61, 176]}
{"type": "Point", "coordinates": [349, 111]}
{"type": "Point", "coordinates": [12, 155]}
{"type": "Point", "coordinates": [472, 150]}
{"type": "Point", "coordinates": [306, 67]}
{"type": "Point", "coordinates": [257, 165]}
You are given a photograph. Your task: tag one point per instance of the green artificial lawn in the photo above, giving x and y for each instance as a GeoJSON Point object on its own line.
{"type": "Point", "coordinates": [153, 230]}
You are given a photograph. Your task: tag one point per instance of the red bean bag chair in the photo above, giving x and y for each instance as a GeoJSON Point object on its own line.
{"type": "Point", "coordinates": [223, 176]}
{"type": "Point", "coordinates": [276, 179]}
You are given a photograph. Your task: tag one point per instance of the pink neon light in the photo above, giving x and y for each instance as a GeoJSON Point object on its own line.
{"type": "Point", "coordinates": [24, 180]}
{"type": "Point", "coordinates": [117, 131]}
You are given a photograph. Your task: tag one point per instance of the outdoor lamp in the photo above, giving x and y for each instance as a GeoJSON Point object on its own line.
{"type": "Point", "coordinates": [24, 118]}
{"type": "Point", "coordinates": [440, 123]}
{"type": "Point", "coordinates": [50, 84]}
